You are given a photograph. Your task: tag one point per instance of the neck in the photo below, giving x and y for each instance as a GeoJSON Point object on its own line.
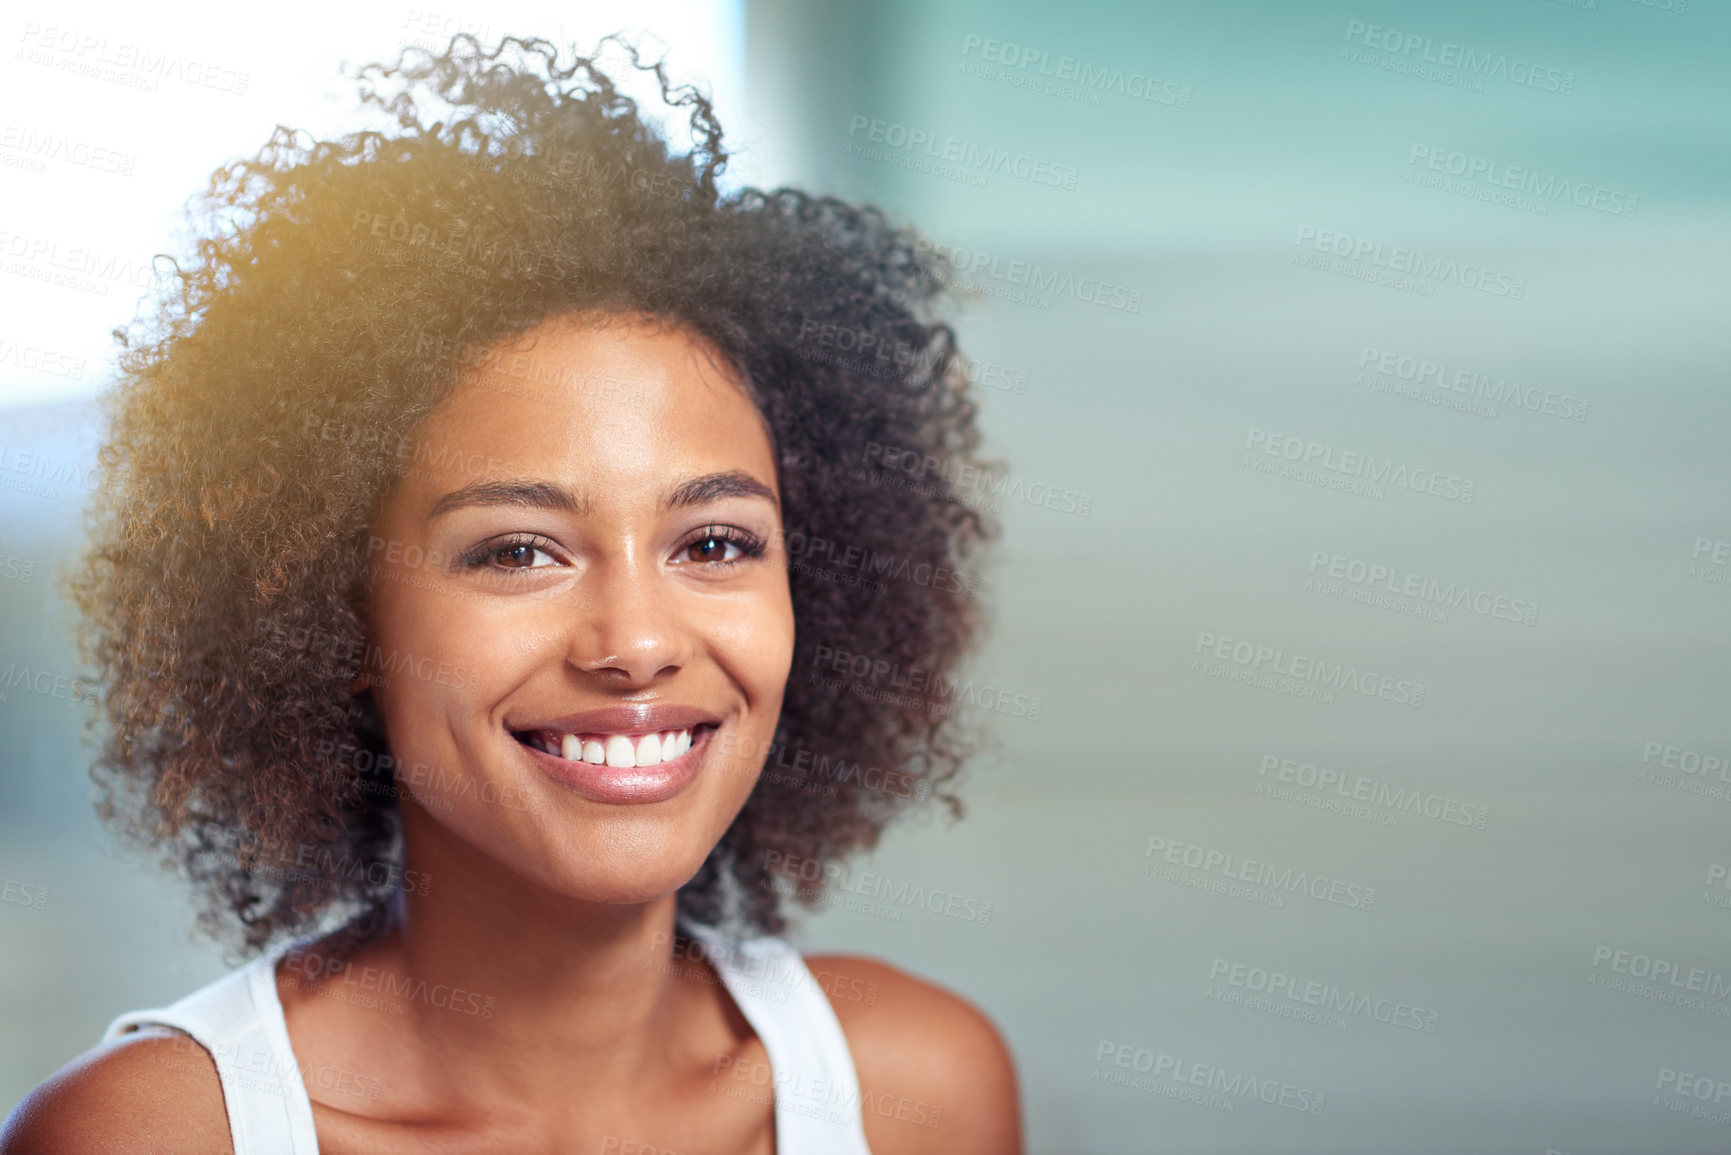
{"type": "Point", "coordinates": [512, 991]}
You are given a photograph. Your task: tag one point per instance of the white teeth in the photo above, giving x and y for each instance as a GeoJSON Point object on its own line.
{"type": "Point", "coordinates": [620, 751]}
{"type": "Point", "coordinates": [620, 755]}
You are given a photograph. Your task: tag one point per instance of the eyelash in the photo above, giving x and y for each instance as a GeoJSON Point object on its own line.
{"type": "Point", "coordinates": [482, 555]}
{"type": "Point", "coordinates": [749, 545]}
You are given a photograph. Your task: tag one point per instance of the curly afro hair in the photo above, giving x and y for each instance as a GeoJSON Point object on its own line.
{"type": "Point", "coordinates": [339, 289]}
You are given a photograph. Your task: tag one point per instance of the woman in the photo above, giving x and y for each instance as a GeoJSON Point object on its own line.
{"type": "Point", "coordinates": [480, 507]}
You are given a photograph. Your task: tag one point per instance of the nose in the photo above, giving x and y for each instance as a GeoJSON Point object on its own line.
{"type": "Point", "coordinates": [629, 630]}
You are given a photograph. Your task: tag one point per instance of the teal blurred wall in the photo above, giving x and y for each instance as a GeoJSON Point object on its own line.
{"type": "Point", "coordinates": [1496, 951]}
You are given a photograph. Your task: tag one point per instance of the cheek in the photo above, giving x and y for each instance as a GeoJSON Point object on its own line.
{"type": "Point", "coordinates": [438, 655]}
{"type": "Point", "coordinates": [758, 648]}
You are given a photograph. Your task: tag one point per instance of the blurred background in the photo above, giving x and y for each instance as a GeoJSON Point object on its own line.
{"type": "Point", "coordinates": [1361, 369]}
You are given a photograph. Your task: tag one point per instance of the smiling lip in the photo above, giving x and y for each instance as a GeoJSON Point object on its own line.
{"type": "Point", "coordinates": [622, 719]}
{"type": "Point", "coordinates": [615, 726]}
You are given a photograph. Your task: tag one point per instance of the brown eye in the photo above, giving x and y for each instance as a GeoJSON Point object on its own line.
{"type": "Point", "coordinates": [512, 553]}
{"type": "Point", "coordinates": [709, 548]}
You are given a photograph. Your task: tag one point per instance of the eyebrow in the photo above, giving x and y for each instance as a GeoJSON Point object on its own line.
{"type": "Point", "coordinates": [536, 494]}
{"type": "Point", "coordinates": [716, 486]}
{"type": "Point", "coordinates": [524, 493]}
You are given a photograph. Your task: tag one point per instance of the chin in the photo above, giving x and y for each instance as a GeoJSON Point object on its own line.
{"type": "Point", "coordinates": [642, 872]}
{"type": "Point", "coordinates": [627, 886]}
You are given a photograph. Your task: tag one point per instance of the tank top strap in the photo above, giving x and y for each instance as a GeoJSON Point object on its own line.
{"type": "Point", "coordinates": [817, 1092]}
{"type": "Point", "coordinates": [238, 1019]}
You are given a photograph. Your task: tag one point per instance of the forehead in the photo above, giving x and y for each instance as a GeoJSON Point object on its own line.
{"type": "Point", "coordinates": [603, 399]}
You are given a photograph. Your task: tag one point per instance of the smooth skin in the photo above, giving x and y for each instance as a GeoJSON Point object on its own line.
{"type": "Point", "coordinates": [588, 578]}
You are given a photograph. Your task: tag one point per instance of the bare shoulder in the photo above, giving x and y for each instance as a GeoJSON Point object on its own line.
{"type": "Point", "coordinates": [935, 1073]}
{"type": "Point", "coordinates": [151, 1091]}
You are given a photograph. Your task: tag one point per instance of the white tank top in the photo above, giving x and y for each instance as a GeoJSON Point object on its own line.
{"type": "Point", "coordinates": [239, 1020]}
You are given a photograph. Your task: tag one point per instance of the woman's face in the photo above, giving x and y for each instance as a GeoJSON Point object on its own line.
{"type": "Point", "coordinates": [580, 626]}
